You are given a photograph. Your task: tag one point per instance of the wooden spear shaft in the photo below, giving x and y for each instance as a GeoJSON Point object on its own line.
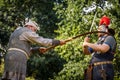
{"type": "Point", "coordinates": [72, 38]}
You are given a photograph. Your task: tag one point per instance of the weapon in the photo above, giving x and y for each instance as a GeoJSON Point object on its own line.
{"type": "Point", "coordinates": [103, 74]}
{"type": "Point", "coordinates": [93, 21]}
{"type": "Point", "coordinates": [72, 38]}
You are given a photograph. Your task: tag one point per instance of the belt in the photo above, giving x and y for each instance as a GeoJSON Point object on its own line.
{"type": "Point", "coordinates": [20, 51]}
{"type": "Point", "coordinates": [104, 62]}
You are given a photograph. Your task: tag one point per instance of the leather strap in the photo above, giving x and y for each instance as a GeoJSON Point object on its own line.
{"type": "Point", "coordinates": [20, 51]}
{"type": "Point", "coordinates": [104, 62]}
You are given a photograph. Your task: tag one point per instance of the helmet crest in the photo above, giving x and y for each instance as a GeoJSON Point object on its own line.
{"type": "Point", "coordinates": [104, 21]}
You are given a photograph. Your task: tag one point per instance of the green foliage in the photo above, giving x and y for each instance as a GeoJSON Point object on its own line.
{"type": "Point", "coordinates": [43, 67]}
{"type": "Point", "coordinates": [1, 67]}
{"type": "Point", "coordinates": [74, 22]}
{"type": "Point", "coordinates": [67, 19]}
{"type": "Point", "coordinates": [29, 78]}
{"type": "Point", "coordinates": [14, 12]}
{"type": "Point", "coordinates": [73, 70]}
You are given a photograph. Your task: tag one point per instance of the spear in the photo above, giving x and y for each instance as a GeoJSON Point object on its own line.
{"type": "Point", "coordinates": [72, 38]}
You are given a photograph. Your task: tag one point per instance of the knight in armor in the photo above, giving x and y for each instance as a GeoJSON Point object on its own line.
{"type": "Point", "coordinates": [20, 50]}
{"type": "Point", "coordinates": [101, 66]}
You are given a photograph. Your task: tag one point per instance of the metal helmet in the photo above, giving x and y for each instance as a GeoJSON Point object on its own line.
{"type": "Point", "coordinates": [103, 28]}
{"type": "Point", "coordinates": [33, 23]}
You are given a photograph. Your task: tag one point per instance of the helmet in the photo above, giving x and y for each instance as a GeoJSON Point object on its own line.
{"type": "Point", "coordinates": [103, 28]}
{"type": "Point", "coordinates": [33, 23]}
{"type": "Point", "coordinates": [104, 20]}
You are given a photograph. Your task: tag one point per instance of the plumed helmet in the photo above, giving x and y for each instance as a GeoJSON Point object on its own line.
{"type": "Point", "coordinates": [33, 23]}
{"type": "Point", "coordinates": [104, 20]}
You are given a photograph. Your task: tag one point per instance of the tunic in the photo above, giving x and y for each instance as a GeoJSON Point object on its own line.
{"type": "Point", "coordinates": [104, 57]}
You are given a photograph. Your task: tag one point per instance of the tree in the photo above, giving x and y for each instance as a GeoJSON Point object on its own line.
{"type": "Point", "coordinates": [13, 14]}
{"type": "Point", "coordinates": [74, 21]}
{"type": "Point", "coordinates": [67, 62]}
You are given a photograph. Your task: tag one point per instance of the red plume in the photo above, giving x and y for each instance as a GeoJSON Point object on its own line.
{"type": "Point", "coordinates": [104, 20]}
